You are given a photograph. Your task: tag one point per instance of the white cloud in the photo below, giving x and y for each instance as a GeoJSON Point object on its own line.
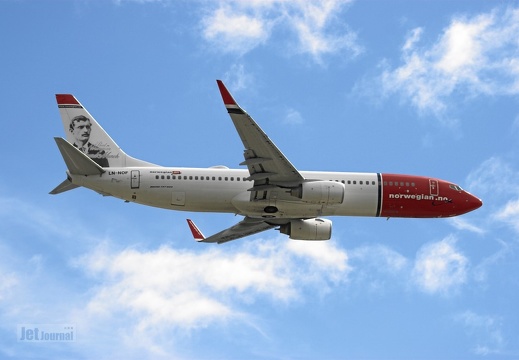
{"type": "Point", "coordinates": [378, 267]}
{"type": "Point", "coordinates": [311, 19]}
{"type": "Point", "coordinates": [485, 330]}
{"type": "Point", "coordinates": [440, 267]}
{"type": "Point", "coordinates": [234, 30]}
{"type": "Point", "coordinates": [474, 55]}
{"type": "Point", "coordinates": [494, 176]}
{"type": "Point", "coordinates": [496, 179]}
{"type": "Point", "coordinates": [8, 280]}
{"type": "Point", "coordinates": [240, 26]}
{"type": "Point", "coordinates": [489, 263]}
{"type": "Point", "coordinates": [510, 214]}
{"type": "Point", "coordinates": [380, 256]}
{"type": "Point", "coordinates": [293, 117]}
{"type": "Point", "coordinates": [185, 289]}
{"type": "Point", "coordinates": [237, 78]}
{"type": "Point", "coordinates": [463, 224]}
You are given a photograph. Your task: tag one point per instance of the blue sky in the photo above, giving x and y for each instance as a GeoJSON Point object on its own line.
{"type": "Point", "coordinates": [419, 87]}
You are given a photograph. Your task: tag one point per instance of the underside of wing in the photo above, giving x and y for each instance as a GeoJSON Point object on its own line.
{"type": "Point", "coordinates": [248, 226]}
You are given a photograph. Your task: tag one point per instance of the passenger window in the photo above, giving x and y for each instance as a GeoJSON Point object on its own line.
{"type": "Point", "coordinates": [232, 178]}
{"type": "Point", "coordinates": [226, 178]}
{"type": "Point", "coordinates": [349, 182]}
{"type": "Point", "coordinates": [407, 184]}
{"type": "Point", "coordinates": [190, 178]}
{"type": "Point", "coordinates": [360, 182]}
{"type": "Point", "coordinates": [156, 177]}
{"type": "Point", "coordinates": [214, 178]}
{"type": "Point", "coordinates": [354, 182]}
{"type": "Point", "coordinates": [162, 177]}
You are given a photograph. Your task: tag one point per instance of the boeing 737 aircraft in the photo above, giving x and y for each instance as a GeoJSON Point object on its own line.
{"type": "Point", "coordinates": [270, 193]}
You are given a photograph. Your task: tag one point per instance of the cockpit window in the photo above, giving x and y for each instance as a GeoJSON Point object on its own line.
{"type": "Point", "coordinates": [455, 187]}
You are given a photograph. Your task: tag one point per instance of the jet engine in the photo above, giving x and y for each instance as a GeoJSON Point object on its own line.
{"type": "Point", "coordinates": [309, 229]}
{"type": "Point", "coordinates": [320, 192]}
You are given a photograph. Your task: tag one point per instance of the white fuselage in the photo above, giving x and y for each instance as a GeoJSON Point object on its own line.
{"type": "Point", "coordinates": [226, 190]}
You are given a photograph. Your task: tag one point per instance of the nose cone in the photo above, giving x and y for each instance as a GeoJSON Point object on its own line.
{"type": "Point", "coordinates": [473, 202]}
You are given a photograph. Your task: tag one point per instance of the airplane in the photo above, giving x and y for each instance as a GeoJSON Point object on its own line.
{"type": "Point", "coordinates": [269, 193]}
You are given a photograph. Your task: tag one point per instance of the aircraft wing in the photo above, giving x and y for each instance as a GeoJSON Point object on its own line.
{"type": "Point", "coordinates": [267, 164]}
{"type": "Point", "coordinates": [246, 227]}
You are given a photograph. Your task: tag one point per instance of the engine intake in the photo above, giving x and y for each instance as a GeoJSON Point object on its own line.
{"type": "Point", "coordinates": [320, 192]}
{"type": "Point", "coordinates": [309, 229]}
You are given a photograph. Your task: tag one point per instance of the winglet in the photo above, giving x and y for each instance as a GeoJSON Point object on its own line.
{"type": "Point", "coordinates": [226, 95]}
{"type": "Point", "coordinates": [197, 234]}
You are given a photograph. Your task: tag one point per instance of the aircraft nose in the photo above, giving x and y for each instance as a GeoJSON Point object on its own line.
{"type": "Point", "coordinates": [473, 202]}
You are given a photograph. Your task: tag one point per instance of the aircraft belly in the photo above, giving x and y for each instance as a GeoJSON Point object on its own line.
{"type": "Point", "coordinates": [284, 208]}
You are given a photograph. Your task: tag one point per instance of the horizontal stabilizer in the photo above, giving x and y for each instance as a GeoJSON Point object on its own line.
{"type": "Point", "coordinates": [64, 186]}
{"type": "Point", "coordinates": [77, 162]}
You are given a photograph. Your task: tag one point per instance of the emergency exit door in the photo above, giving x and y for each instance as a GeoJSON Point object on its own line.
{"type": "Point", "coordinates": [135, 179]}
{"type": "Point", "coordinates": [433, 187]}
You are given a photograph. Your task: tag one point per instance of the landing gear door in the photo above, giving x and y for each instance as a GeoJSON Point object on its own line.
{"type": "Point", "coordinates": [433, 187]}
{"type": "Point", "coordinates": [135, 179]}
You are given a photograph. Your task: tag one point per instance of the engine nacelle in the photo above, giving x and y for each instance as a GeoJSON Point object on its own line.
{"type": "Point", "coordinates": [320, 192]}
{"type": "Point", "coordinates": [309, 229]}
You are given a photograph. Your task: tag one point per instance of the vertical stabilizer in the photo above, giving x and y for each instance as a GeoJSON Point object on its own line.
{"type": "Point", "coordinates": [85, 133]}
